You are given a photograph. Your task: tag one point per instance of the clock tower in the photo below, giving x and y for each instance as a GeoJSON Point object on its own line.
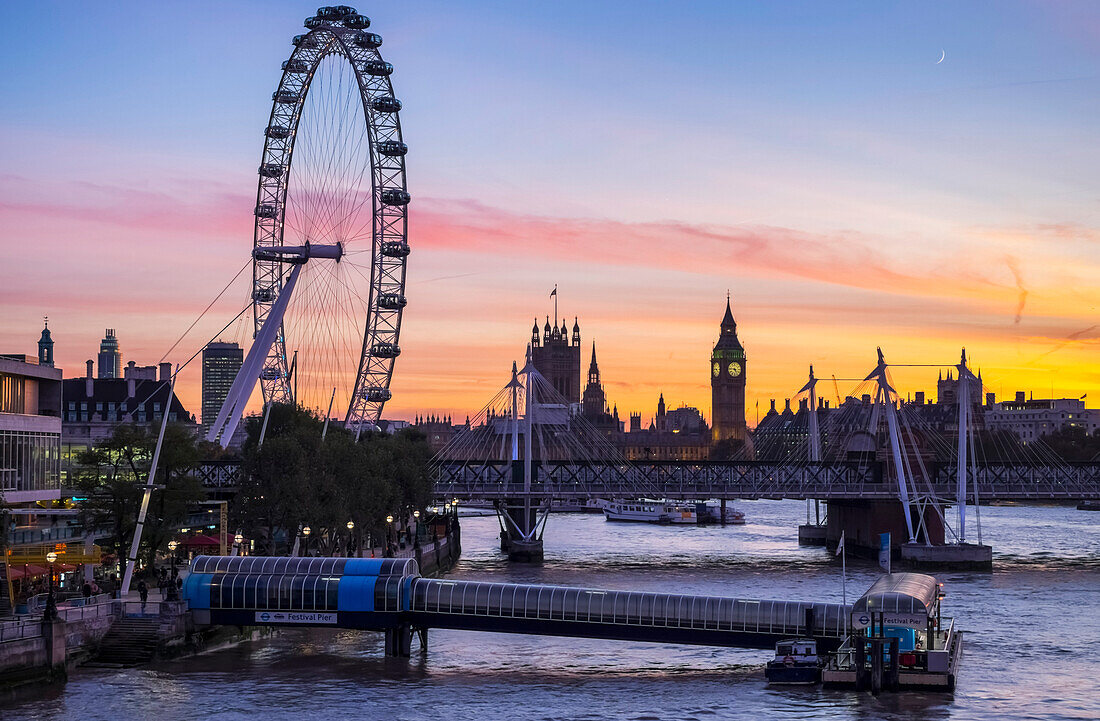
{"type": "Point", "coordinates": [727, 383]}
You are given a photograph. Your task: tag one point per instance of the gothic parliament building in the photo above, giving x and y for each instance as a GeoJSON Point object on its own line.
{"type": "Point", "coordinates": [674, 434]}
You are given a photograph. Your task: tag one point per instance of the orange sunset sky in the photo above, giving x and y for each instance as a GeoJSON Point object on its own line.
{"type": "Point", "coordinates": [847, 190]}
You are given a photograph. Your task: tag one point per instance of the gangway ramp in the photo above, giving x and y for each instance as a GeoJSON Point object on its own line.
{"type": "Point", "coordinates": [390, 594]}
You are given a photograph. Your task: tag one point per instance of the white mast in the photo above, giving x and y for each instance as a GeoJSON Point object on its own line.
{"type": "Point", "coordinates": [963, 397]}
{"type": "Point", "coordinates": [884, 392]}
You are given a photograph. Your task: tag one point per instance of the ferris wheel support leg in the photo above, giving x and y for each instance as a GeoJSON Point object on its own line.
{"type": "Point", "coordinates": [233, 407]}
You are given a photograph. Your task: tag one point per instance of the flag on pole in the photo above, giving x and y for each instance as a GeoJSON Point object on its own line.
{"type": "Point", "coordinates": [554, 292]}
{"type": "Point", "coordinates": [884, 551]}
{"type": "Point", "coordinates": [843, 570]}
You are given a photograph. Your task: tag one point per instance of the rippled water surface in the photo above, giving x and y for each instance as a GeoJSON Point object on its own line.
{"type": "Point", "coordinates": [1031, 651]}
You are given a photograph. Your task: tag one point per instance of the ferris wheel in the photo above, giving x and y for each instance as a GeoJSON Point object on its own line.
{"type": "Point", "coordinates": [331, 231]}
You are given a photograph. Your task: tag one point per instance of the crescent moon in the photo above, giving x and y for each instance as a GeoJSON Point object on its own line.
{"type": "Point", "coordinates": [943, 54]}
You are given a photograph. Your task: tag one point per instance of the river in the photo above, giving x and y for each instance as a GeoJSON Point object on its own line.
{"type": "Point", "coordinates": [1033, 631]}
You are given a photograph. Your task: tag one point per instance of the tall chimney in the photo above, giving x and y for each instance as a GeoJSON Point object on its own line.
{"type": "Point", "coordinates": [129, 370]}
{"type": "Point", "coordinates": [89, 381]}
{"type": "Point", "coordinates": [165, 372]}
{"type": "Point", "coordinates": [131, 386]}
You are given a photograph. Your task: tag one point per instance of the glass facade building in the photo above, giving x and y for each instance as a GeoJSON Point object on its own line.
{"type": "Point", "coordinates": [30, 430]}
{"type": "Point", "coordinates": [30, 461]}
{"type": "Point", "coordinates": [220, 363]}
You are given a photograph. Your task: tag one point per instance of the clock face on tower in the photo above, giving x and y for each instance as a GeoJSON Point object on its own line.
{"type": "Point", "coordinates": [735, 369]}
{"type": "Point", "coordinates": [716, 369]}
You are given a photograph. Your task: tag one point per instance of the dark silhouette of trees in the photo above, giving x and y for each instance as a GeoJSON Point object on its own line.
{"type": "Point", "coordinates": [111, 479]}
{"type": "Point", "coordinates": [296, 479]}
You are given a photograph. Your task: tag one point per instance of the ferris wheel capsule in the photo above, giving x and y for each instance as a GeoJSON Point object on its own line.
{"type": "Point", "coordinates": [392, 148]}
{"type": "Point", "coordinates": [386, 104]}
{"type": "Point", "coordinates": [395, 249]}
{"type": "Point", "coordinates": [368, 41]}
{"type": "Point", "coordinates": [357, 22]}
{"type": "Point", "coordinates": [378, 68]}
{"type": "Point", "coordinates": [395, 196]}
{"type": "Point", "coordinates": [392, 301]}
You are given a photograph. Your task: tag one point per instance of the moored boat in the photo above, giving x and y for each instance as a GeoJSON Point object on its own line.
{"type": "Point", "coordinates": [639, 511]}
{"type": "Point", "coordinates": [795, 662]}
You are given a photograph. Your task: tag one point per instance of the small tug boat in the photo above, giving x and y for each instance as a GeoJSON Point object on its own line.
{"type": "Point", "coordinates": [795, 662]}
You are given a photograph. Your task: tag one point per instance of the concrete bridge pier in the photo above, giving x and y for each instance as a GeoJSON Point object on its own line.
{"type": "Point", "coordinates": [863, 521]}
{"type": "Point", "coordinates": [812, 533]}
{"type": "Point", "coordinates": [399, 641]}
{"type": "Point", "coordinates": [521, 531]}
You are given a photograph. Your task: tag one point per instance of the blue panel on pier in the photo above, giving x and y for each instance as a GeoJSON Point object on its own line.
{"type": "Point", "coordinates": [196, 590]}
{"type": "Point", "coordinates": [356, 593]}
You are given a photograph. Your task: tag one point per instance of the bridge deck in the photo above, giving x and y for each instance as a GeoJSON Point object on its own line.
{"type": "Point", "coordinates": [758, 479]}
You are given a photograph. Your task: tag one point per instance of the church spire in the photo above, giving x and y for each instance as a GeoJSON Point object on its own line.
{"type": "Point", "coordinates": [45, 345]}
{"type": "Point", "coordinates": [593, 368]}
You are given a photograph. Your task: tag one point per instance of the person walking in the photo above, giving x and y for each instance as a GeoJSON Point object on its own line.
{"type": "Point", "coordinates": [143, 592]}
{"type": "Point", "coordinates": [86, 591]}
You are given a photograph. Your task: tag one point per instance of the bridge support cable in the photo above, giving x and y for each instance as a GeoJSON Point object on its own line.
{"type": "Point", "coordinates": [885, 396]}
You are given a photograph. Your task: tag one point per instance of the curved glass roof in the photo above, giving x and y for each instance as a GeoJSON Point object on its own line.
{"type": "Point", "coordinates": [899, 593]}
{"type": "Point", "coordinates": [306, 566]}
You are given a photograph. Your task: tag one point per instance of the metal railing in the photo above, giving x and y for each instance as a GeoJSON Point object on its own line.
{"type": "Point", "coordinates": [151, 608]}
{"type": "Point", "coordinates": [21, 629]}
{"type": "Point", "coordinates": [82, 611]}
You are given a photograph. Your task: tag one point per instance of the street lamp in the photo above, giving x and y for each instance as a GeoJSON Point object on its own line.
{"type": "Point", "coordinates": [305, 535]}
{"type": "Point", "coordinates": [172, 546]}
{"type": "Point", "coordinates": [51, 602]}
{"type": "Point", "coordinates": [389, 536]}
{"type": "Point", "coordinates": [351, 525]}
{"type": "Point", "coordinates": [237, 541]}
{"type": "Point", "coordinates": [416, 527]}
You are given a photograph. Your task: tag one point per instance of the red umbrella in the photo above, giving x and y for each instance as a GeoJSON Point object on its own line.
{"type": "Point", "coordinates": [194, 541]}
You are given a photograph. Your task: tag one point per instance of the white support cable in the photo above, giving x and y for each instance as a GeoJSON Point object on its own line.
{"type": "Point", "coordinates": [131, 559]}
